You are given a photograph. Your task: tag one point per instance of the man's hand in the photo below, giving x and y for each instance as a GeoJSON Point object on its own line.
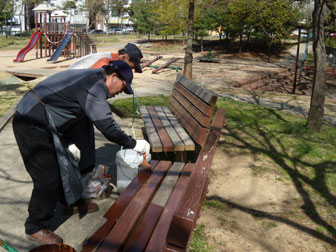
{"type": "Point", "coordinates": [142, 147]}
{"type": "Point", "coordinates": [73, 149]}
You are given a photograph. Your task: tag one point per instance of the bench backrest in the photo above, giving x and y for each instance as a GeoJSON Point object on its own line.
{"type": "Point", "coordinates": [193, 106]}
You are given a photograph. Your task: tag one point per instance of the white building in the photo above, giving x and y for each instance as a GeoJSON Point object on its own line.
{"type": "Point", "coordinates": [77, 17]}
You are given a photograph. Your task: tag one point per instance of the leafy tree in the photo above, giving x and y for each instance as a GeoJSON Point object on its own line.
{"type": "Point", "coordinates": [7, 8]}
{"type": "Point", "coordinates": [142, 16]}
{"type": "Point", "coordinates": [171, 16]}
{"type": "Point", "coordinates": [94, 7]}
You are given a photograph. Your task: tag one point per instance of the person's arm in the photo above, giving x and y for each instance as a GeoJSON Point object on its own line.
{"type": "Point", "coordinates": [95, 106]}
{"type": "Point", "coordinates": [100, 63]}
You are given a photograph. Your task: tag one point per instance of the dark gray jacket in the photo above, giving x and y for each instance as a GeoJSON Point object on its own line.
{"type": "Point", "coordinates": [71, 95]}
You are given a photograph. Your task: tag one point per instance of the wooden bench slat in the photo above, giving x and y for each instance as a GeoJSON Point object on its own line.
{"type": "Point", "coordinates": [152, 135]}
{"type": "Point", "coordinates": [205, 95]}
{"type": "Point", "coordinates": [195, 130]}
{"type": "Point", "coordinates": [178, 143]}
{"type": "Point", "coordinates": [188, 142]}
{"type": "Point", "coordinates": [201, 118]}
{"type": "Point", "coordinates": [199, 103]}
{"type": "Point", "coordinates": [140, 237]}
{"type": "Point", "coordinates": [116, 210]}
{"type": "Point", "coordinates": [184, 219]}
{"type": "Point", "coordinates": [165, 139]}
{"type": "Point", "coordinates": [158, 238]}
{"type": "Point", "coordinates": [116, 239]}
{"type": "Point", "coordinates": [162, 195]}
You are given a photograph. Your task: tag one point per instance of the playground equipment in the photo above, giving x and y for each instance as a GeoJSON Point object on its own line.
{"type": "Point", "coordinates": [32, 42]}
{"type": "Point", "coordinates": [171, 61]}
{"type": "Point", "coordinates": [209, 58]}
{"type": "Point", "coordinates": [53, 37]}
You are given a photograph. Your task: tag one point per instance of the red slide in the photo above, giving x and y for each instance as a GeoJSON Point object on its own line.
{"type": "Point", "coordinates": [22, 53]}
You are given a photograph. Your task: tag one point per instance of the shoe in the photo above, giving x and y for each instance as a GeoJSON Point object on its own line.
{"type": "Point", "coordinates": [45, 236]}
{"type": "Point", "coordinates": [82, 208]}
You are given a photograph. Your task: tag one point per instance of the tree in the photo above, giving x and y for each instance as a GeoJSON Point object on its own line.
{"type": "Point", "coordinates": [142, 16]}
{"type": "Point", "coordinates": [94, 7]}
{"type": "Point", "coordinates": [68, 5]}
{"type": "Point", "coordinates": [171, 16]}
{"type": "Point", "coordinates": [188, 57]}
{"type": "Point", "coordinates": [316, 111]}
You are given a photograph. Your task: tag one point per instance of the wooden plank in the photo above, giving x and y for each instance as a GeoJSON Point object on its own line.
{"type": "Point", "coordinates": [206, 95]}
{"type": "Point", "coordinates": [158, 238]}
{"type": "Point", "coordinates": [195, 100]}
{"type": "Point", "coordinates": [139, 239]}
{"type": "Point", "coordinates": [162, 195]}
{"type": "Point", "coordinates": [116, 239]}
{"type": "Point", "coordinates": [149, 62]}
{"type": "Point", "coordinates": [178, 143]}
{"type": "Point", "coordinates": [167, 144]}
{"type": "Point", "coordinates": [170, 248]}
{"type": "Point", "coordinates": [192, 110]}
{"type": "Point", "coordinates": [153, 136]}
{"type": "Point", "coordinates": [188, 142]}
{"type": "Point", "coordinates": [185, 217]}
{"type": "Point", "coordinates": [171, 61]}
{"type": "Point", "coordinates": [115, 211]}
{"type": "Point", "coordinates": [195, 130]}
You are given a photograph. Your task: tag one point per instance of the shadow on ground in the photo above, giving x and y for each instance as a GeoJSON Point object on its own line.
{"type": "Point", "coordinates": [308, 178]}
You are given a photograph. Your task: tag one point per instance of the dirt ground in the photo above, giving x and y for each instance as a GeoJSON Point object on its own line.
{"type": "Point", "coordinates": [255, 216]}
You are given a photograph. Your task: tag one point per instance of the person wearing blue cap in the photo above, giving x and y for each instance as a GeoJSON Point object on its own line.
{"type": "Point", "coordinates": [59, 112]}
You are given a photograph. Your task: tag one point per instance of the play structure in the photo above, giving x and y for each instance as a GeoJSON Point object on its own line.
{"type": "Point", "coordinates": [53, 37]}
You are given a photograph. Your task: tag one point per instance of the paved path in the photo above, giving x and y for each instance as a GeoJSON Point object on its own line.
{"type": "Point", "coordinates": [16, 187]}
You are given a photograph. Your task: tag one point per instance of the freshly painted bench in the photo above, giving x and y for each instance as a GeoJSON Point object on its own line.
{"type": "Point", "coordinates": [158, 210]}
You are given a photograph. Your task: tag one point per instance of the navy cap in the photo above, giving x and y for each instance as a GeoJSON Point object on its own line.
{"type": "Point", "coordinates": [135, 55]}
{"type": "Point", "coordinates": [125, 71]}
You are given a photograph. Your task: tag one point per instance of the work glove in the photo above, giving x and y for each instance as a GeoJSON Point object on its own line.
{"type": "Point", "coordinates": [142, 147]}
{"type": "Point", "coordinates": [73, 149]}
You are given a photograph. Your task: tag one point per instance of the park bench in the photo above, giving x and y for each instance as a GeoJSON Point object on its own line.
{"type": "Point", "coordinates": [158, 210]}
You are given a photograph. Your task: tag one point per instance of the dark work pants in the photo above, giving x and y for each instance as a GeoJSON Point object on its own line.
{"type": "Point", "coordinates": [39, 157]}
{"type": "Point", "coordinates": [82, 135]}
{"type": "Point", "coordinates": [38, 154]}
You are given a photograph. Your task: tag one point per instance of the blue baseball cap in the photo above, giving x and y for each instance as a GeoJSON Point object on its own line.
{"type": "Point", "coordinates": [135, 55]}
{"type": "Point", "coordinates": [125, 71]}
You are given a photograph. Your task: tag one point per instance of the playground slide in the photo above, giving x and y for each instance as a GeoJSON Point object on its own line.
{"type": "Point", "coordinates": [32, 42]}
{"type": "Point", "coordinates": [60, 48]}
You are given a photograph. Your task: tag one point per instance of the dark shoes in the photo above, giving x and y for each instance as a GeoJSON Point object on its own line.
{"type": "Point", "coordinates": [81, 207]}
{"type": "Point", "coordinates": [45, 236]}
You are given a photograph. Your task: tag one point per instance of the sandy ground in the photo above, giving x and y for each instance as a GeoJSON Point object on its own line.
{"type": "Point", "coordinates": [253, 219]}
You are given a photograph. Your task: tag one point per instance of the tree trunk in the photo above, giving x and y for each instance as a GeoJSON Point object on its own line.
{"type": "Point", "coordinates": [188, 58]}
{"type": "Point", "coordinates": [316, 112]}
{"type": "Point", "coordinates": [240, 42]}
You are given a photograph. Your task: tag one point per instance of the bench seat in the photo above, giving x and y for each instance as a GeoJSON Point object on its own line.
{"type": "Point", "coordinates": [158, 210]}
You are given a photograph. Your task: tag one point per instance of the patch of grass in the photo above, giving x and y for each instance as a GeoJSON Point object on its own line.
{"type": "Point", "coordinates": [13, 43]}
{"type": "Point", "coordinates": [199, 242]}
{"type": "Point", "coordinates": [213, 204]}
{"type": "Point", "coordinates": [282, 143]}
{"type": "Point", "coordinates": [222, 220]}
{"type": "Point", "coordinates": [126, 105]}
{"type": "Point", "coordinates": [267, 225]}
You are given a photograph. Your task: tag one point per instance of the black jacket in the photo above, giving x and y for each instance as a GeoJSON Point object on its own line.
{"type": "Point", "coordinates": [70, 95]}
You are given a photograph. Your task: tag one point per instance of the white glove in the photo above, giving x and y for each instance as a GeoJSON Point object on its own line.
{"type": "Point", "coordinates": [73, 149]}
{"type": "Point", "coordinates": [142, 147]}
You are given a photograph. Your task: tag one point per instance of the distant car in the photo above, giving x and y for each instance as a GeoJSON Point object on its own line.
{"type": "Point", "coordinates": [116, 31]}
{"type": "Point", "coordinates": [129, 30]}
{"type": "Point", "coordinates": [97, 32]}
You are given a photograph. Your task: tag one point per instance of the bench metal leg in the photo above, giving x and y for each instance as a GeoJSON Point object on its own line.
{"type": "Point", "coordinates": [181, 156]}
